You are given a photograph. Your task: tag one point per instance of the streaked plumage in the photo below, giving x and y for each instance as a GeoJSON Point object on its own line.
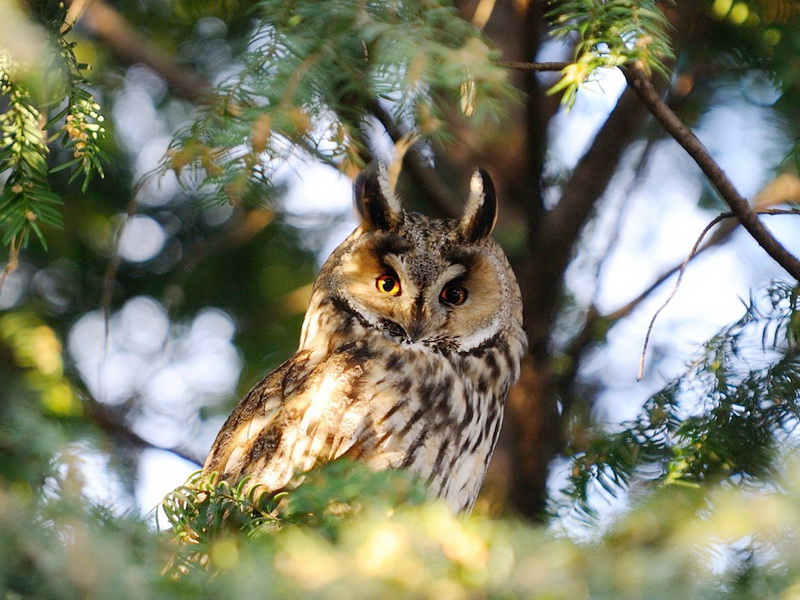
{"type": "Point", "coordinates": [411, 341]}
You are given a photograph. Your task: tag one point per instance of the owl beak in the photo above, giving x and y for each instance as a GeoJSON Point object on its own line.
{"type": "Point", "coordinates": [416, 330]}
{"type": "Point", "coordinates": [418, 327]}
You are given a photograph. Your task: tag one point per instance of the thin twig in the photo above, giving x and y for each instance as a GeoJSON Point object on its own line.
{"type": "Point", "coordinates": [720, 235]}
{"type": "Point", "coordinates": [640, 82]}
{"type": "Point", "coordinates": [534, 66]}
{"type": "Point", "coordinates": [12, 264]}
{"type": "Point", "coordinates": [717, 219]}
{"type": "Point", "coordinates": [782, 189]}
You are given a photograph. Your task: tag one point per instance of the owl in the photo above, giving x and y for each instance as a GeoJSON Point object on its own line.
{"type": "Point", "coordinates": [412, 338]}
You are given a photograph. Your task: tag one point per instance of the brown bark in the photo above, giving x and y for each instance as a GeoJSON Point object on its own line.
{"type": "Point", "coordinates": [533, 426]}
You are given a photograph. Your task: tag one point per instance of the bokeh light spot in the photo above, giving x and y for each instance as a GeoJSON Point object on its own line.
{"type": "Point", "coordinates": [142, 239]}
{"type": "Point", "coordinates": [225, 554]}
{"type": "Point", "coordinates": [772, 36]}
{"type": "Point", "coordinates": [144, 325]}
{"type": "Point", "coordinates": [739, 13]}
{"type": "Point", "coordinates": [721, 8]}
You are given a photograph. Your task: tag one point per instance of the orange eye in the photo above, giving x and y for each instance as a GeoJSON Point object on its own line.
{"type": "Point", "coordinates": [453, 294]}
{"type": "Point", "coordinates": [388, 285]}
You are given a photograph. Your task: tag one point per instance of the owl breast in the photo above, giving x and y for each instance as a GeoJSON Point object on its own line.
{"type": "Point", "coordinates": [435, 413]}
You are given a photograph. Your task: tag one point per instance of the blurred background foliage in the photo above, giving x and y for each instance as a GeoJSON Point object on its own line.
{"type": "Point", "coordinates": [173, 174]}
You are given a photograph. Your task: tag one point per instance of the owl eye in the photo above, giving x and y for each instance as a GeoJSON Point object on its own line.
{"type": "Point", "coordinates": [454, 294]}
{"type": "Point", "coordinates": [388, 285]}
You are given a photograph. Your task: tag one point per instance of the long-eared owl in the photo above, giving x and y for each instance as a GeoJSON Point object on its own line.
{"type": "Point", "coordinates": [411, 341]}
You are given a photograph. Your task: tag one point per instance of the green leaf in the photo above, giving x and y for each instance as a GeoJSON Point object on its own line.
{"type": "Point", "coordinates": [35, 227]}
{"type": "Point", "coordinates": [66, 165]}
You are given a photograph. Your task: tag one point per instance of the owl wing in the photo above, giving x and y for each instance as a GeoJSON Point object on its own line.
{"type": "Point", "coordinates": [251, 416]}
{"type": "Point", "coordinates": [289, 422]}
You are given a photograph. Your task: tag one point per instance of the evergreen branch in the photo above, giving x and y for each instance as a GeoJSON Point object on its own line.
{"type": "Point", "coordinates": [26, 194]}
{"type": "Point", "coordinates": [68, 91]}
{"type": "Point", "coordinates": [723, 418]}
{"type": "Point", "coordinates": [26, 200]}
{"type": "Point", "coordinates": [314, 75]}
{"type": "Point", "coordinates": [206, 509]}
{"type": "Point", "coordinates": [82, 128]}
{"type": "Point", "coordinates": [610, 33]}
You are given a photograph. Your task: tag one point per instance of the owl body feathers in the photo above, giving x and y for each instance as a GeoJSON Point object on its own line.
{"type": "Point", "coordinates": [412, 338]}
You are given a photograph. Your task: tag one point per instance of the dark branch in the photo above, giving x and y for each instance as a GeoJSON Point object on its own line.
{"type": "Point", "coordinates": [559, 229]}
{"type": "Point", "coordinates": [740, 208]}
{"type": "Point", "coordinates": [534, 66]}
{"type": "Point", "coordinates": [129, 47]}
{"type": "Point", "coordinates": [104, 419]}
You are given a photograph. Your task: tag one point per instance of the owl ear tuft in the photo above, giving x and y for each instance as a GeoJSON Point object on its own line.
{"type": "Point", "coordinates": [376, 205]}
{"type": "Point", "coordinates": [480, 214]}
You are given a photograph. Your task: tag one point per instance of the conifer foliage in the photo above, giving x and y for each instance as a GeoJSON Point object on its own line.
{"type": "Point", "coordinates": [46, 102]}
{"type": "Point", "coordinates": [311, 75]}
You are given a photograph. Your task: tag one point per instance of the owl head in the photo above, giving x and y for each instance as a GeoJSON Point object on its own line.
{"type": "Point", "coordinates": [440, 284]}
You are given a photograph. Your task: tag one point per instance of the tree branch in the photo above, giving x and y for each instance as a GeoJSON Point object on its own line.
{"type": "Point", "coordinates": [597, 325]}
{"type": "Point", "coordinates": [741, 209]}
{"type": "Point", "coordinates": [559, 229]}
{"type": "Point", "coordinates": [105, 420]}
{"type": "Point", "coordinates": [720, 236]}
{"type": "Point", "coordinates": [534, 66]}
{"type": "Point", "coordinates": [129, 47]}
{"type": "Point", "coordinates": [782, 189]}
